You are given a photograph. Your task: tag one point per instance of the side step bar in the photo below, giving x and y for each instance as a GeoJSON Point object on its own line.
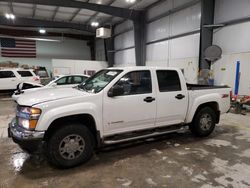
{"type": "Point", "coordinates": [108, 142]}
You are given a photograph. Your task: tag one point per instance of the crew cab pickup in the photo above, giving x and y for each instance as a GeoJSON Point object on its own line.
{"type": "Point", "coordinates": [113, 106]}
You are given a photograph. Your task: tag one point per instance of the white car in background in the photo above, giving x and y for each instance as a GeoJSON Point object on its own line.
{"type": "Point", "coordinates": [10, 78]}
{"type": "Point", "coordinates": [61, 81]}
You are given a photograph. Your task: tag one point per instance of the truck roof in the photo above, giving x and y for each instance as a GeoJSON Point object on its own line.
{"type": "Point", "coordinates": [144, 68]}
{"type": "Point", "coordinates": [14, 69]}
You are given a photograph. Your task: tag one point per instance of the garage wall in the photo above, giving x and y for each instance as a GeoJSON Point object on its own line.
{"type": "Point", "coordinates": [235, 43]}
{"type": "Point", "coordinates": [69, 66]}
{"type": "Point", "coordinates": [124, 45]}
{"type": "Point", "coordinates": [46, 51]}
{"type": "Point", "coordinates": [100, 50]}
{"type": "Point", "coordinates": [182, 52]}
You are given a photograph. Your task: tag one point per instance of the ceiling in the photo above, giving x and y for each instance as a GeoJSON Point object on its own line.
{"type": "Point", "coordinates": [71, 15]}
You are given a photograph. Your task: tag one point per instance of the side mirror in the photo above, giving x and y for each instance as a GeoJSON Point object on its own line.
{"type": "Point", "coordinates": [115, 91]}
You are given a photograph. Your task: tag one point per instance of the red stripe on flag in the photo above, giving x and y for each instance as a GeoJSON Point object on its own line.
{"type": "Point", "coordinates": [23, 48]}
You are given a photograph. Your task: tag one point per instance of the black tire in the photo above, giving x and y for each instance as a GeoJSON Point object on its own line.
{"type": "Point", "coordinates": [56, 141]}
{"type": "Point", "coordinates": [200, 127]}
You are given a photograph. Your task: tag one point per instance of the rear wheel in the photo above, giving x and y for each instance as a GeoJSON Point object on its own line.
{"type": "Point", "coordinates": [204, 122]}
{"type": "Point", "coordinates": [70, 146]}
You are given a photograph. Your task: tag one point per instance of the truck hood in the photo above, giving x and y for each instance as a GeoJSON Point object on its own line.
{"type": "Point", "coordinates": [49, 94]}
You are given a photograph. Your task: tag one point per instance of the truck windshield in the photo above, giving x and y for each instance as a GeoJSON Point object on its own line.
{"type": "Point", "coordinates": [99, 81]}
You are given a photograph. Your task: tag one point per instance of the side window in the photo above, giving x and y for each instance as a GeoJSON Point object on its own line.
{"type": "Point", "coordinates": [25, 73]}
{"type": "Point", "coordinates": [77, 80]}
{"type": "Point", "coordinates": [62, 81]}
{"type": "Point", "coordinates": [136, 82]}
{"type": "Point", "coordinates": [7, 74]}
{"type": "Point", "coordinates": [168, 80]}
{"type": "Point", "coordinates": [70, 80]}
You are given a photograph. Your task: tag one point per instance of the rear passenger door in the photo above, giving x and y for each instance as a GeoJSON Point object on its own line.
{"type": "Point", "coordinates": [172, 100]}
{"type": "Point", "coordinates": [8, 80]}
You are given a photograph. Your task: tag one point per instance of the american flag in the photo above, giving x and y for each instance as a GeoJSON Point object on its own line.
{"type": "Point", "coordinates": [18, 48]}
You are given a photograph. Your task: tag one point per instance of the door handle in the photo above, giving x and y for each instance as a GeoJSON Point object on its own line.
{"type": "Point", "coordinates": [179, 96]}
{"type": "Point", "coordinates": [149, 99]}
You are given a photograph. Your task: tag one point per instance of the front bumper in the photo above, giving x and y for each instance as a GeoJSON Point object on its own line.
{"type": "Point", "coordinates": [23, 137]}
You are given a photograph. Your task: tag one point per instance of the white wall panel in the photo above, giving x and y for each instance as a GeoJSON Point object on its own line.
{"type": "Point", "coordinates": [186, 20]}
{"type": "Point", "coordinates": [157, 51]}
{"type": "Point", "coordinates": [185, 47]}
{"type": "Point", "coordinates": [76, 66]}
{"type": "Point", "coordinates": [125, 58]}
{"type": "Point", "coordinates": [161, 8]}
{"type": "Point", "coordinates": [226, 10]}
{"type": "Point", "coordinates": [124, 40]}
{"type": "Point", "coordinates": [233, 38]}
{"type": "Point", "coordinates": [189, 66]}
{"type": "Point", "coordinates": [72, 49]}
{"type": "Point", "coordinates": [225, 68]}
{"type": "Point", "coordinates": [158, 29]}
{"type": "Point", "coordinates": [121, 27]}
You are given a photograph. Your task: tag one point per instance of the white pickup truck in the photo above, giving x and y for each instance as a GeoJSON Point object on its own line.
{"type": "Point", "coordinates": [113, 106]}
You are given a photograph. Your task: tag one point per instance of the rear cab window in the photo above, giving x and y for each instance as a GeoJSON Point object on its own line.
{"type": "Point", "coordinates": [25, 73]}
{"type": "Point", "coordinates": [168, 80]}
{"type": "Point", "coordinates": [7, 74]}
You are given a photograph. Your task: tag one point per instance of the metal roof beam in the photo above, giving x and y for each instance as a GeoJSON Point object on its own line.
{"type": "Point", "coordinates": [75, 14]}
{"type": "Point", "coordinates": [95, 15]}
{"type": "Point", "coordinates": [31, 22]}
{"type": "Point", "coordinates": [55, 12]}
{"type": "Point", "coordinates": [34, 11]}
{"type": "Point", "coordinates": [115, 11]}
{"type": "Point", "coordinates": [32, 33]}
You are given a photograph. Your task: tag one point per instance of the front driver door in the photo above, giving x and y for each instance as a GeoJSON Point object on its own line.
{"type": "Point", "coordinates": [133, 110]}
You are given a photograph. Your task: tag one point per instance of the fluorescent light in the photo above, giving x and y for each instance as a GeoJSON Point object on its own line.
{"type": "Point", "coordinates": [10, 16]}
{"type": "Point", "coordinates": [130, 1]}
{"type": "Point", "coordinates": [94, 24]}
{"type": "Point", "coordinates": [7, 16]}
{"type": "Point", "coordinates": [42, 31]}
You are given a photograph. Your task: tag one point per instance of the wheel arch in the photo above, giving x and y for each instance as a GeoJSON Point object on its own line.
{"type": "Point", "coordinates": [213, 105]}
{"type": "Point", "coordinates": [84, 119]}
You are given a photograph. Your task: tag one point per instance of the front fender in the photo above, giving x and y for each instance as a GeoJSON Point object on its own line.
{"type": "Point", "coordinates": [199, 101]}
{"type": "Point", "coordinates": [52, 114]}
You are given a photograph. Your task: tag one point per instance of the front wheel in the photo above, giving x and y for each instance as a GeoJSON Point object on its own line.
{"type": "Point", "coordinates": [204, 122]}
{"type": "Point", "coordinates": [70, 146]}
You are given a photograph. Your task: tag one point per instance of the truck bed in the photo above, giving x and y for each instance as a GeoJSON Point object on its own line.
{"type": "Point", "coordinates": [202, 87]}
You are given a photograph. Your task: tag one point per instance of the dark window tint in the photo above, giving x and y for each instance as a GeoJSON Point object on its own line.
{"type": "Point", "coordinates": [25, 73]}
{"type": "Point", "coordinates": [78, 79]}
{"type": "Point", "coordinates": [65, 80]}
{"type": "Point", "coordinates": [7, 74]}
{"type": "Point", "coordinates": [136, 82]}
{"type": "Point", "coordinates": [62, 81]}
{"type": "Point", "coordinates": [168, 80]}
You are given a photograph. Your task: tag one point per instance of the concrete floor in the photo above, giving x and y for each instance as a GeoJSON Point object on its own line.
{"type": "Point", "coordinates": [176, 160]}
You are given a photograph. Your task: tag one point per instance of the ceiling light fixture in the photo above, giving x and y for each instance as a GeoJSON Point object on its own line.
{"type": "Point", "coordinates": [130, 1]}
{"type": "Point", "coordinates": [42, 31]}
{"type": "Point", "coordinates": [10, 16]}
{"type": "Point", "coordinates": [94, 24]}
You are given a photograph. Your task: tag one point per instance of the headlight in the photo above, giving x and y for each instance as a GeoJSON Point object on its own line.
{"type": "Point", "coordinates": [27, 117]}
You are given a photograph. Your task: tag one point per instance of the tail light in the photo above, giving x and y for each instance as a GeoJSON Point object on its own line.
{"type": "Point", "coordinates": [225, 96]}
{"type": "Point", "coordinates": [36, 78]}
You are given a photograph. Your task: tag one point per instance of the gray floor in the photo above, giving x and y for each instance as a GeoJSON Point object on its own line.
{"type": "Point", "coordinates": [176, 160]}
